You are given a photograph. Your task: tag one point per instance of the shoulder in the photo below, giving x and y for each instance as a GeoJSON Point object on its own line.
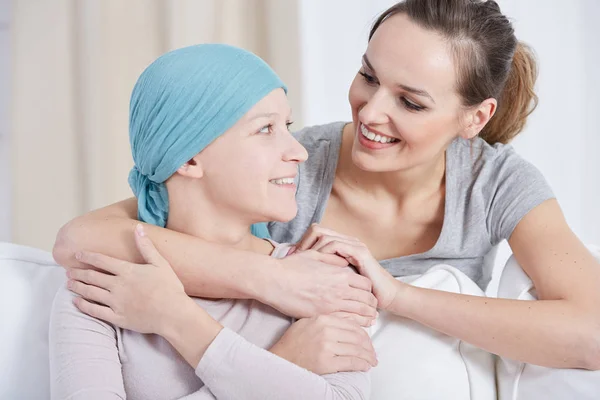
{"type": "Point", "coordinates": [313, 136]}
{"type": "Point", "coordinates": [493, 165]}
{"type": "Point", "coordinates": [497, 182]}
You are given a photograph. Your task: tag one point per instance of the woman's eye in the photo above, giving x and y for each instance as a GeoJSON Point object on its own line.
{"type": "Point", "coordinates": [288, 124]}
{"type": "Point", "coordinates": [368, 78]}
{"type": "Point", "coordinates": [266, 129]}
{"type": "Point", "coordinates": [410, 105]}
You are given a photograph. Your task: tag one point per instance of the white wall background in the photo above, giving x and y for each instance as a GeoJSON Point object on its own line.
{"type": "Point", "coordinates": [5, 10]}
{"type": "Point", "coordinates": [563, 135]}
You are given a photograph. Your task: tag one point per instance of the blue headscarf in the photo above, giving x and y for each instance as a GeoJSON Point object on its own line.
{"type": "Point", "coordinates": [181, 103]}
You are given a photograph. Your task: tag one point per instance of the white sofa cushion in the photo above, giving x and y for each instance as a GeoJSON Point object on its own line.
{"type": "Point", "coordinates": [521, 381]}
{"type": "Point", "coordinates": [419, 363]}
{"type": "Point", "coordinates": [29, 279]}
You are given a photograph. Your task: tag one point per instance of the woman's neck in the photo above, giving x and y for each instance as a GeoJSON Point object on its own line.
{"type": "Point", "coordinates": [212, 223]}
{"type": "Point", "coordinates": [402, 186]}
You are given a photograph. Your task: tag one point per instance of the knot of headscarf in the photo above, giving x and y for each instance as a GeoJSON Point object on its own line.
{"type": "Point", "coordinates": [180, 104]}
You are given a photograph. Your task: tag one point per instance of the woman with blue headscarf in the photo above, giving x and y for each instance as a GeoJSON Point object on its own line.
{"type": "Point", "coordinates": [213, 159]}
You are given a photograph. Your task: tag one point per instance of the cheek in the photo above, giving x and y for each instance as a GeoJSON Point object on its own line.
{"type": "Point", "coordinates": [357, 95]}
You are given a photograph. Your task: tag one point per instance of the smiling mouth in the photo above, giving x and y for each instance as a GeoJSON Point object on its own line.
{"type": "Point", "coordinates": [374, 137]}
{"type": "Point", "coordinates": [282, 181]}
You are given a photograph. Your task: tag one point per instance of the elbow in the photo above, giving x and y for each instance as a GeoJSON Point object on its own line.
{"type": "Point", "coordinates": [64, 248]}
{"type": "Point", "coordinates": [591, 348]}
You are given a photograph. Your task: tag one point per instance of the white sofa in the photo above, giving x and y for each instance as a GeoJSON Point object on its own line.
{"type": "Point", "coordinates": [29, 279]}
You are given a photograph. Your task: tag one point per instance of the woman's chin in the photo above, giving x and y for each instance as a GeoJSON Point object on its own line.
{"type": "Point", "coordinates": [282, 214]}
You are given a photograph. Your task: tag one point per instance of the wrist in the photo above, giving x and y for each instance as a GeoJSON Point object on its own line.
{"type": "Point", "coordinates": [191, 331]}
{"type": "Point", "coordinates": [403, 302]}
{"type": "Point", "coordinates": [180, 311]}
{"type": "Point", "coordinates": [266, 281]}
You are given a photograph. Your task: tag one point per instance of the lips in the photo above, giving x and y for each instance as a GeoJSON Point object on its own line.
{"type": "Point", "coordinates": [363, 138]}
{"type": "Point", "coordinates": [375, 136]}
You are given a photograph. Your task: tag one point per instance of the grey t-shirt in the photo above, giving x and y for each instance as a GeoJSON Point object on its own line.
{"type": "Point", "coordinates": [488, 190]}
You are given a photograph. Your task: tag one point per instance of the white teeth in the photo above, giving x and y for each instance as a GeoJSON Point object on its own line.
{"type": "Point", "coordinates": [283, 181]}
{"type": "Point", "coordinates": [375, 138]}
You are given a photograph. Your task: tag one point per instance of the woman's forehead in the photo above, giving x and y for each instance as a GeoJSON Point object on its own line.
{"type": "Point", "coordinates": [404, 53]}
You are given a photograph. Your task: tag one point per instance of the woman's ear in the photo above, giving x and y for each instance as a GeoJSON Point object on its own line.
{"type": "Point", "coordinates": [478, 117]}
{"type": "Point", "coordinates": [192, 168]}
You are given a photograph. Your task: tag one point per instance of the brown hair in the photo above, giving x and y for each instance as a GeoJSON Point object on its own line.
{"type": "Point", "coordinates": [491, 61]}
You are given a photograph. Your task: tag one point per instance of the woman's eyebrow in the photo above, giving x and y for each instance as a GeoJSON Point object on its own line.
{"type": "Point", "coordinates": [418, 92]}
{"type": "Point", "coordinates": [267, 115]}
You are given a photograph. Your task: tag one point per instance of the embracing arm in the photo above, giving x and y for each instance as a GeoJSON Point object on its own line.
{"type": "Point", "coordinates": [109, 231]}
{"type": "Point", "coordinates": [233, 368]}
{"type": "Point", "coordinates": [561, 329]}
{"type": "Point", "coordinates": [297, 286]}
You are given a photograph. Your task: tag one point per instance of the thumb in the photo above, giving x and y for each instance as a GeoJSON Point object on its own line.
{"type": "Point", "coordinates": [147, 249]}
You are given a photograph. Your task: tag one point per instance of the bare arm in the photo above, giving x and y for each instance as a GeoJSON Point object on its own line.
{"type": "Point", "coordinates": [560, 330]}
{"type": "Point", "coordinates": [299, 286]}
{"type": "Point", "coordinates": [110, 231]}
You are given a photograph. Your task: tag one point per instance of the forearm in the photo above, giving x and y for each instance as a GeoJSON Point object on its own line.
{"type": "Point", "coordinates": [205, 269]}
{"type": "Point", "coordinates": [233, 368]}
{"type": "Point", "coordinates": [551, 333]}
{"type": "Point", "coordinates": [190, 330]}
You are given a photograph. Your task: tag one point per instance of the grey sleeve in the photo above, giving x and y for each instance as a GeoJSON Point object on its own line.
{"type": "Point", "coordinates": [516, 187]}
{"type": "Point", "coordinates": [84, 357]}
{"type": "Point", "coordinates": [234, 368]}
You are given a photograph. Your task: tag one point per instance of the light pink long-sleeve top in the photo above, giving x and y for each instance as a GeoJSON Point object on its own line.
{"type": "Point", "coordinates": [91, 359]}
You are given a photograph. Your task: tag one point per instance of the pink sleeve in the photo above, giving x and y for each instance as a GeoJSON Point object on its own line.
{"type": "Point", "coordinates": [84, 357]}
{"type": "Point", "coordinates": [234, 368]}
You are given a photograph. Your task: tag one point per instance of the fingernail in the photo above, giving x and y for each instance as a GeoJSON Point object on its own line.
{"type": "Point", "coordinates": [291, 251]}
{"type": "Point", "coordinates": [69, 284]}
{"type": "Point", "coordinates": [78, 256]}
{"type": "Point", "coordinates": [140, 229]}
{"type": "Point", "coordinates": [69, 274]}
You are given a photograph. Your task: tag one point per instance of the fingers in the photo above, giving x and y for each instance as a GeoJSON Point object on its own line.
{"type": "Point", "coordinates": [350, 364]}
{"type": "Point", "coordinates": [350, 251]}
{"type": "Point", "coordinates": [359, 308]}
{"type": "Point", "coordinates": [95, 310]}
{"type": "Point", "coordinates": [349, 350]}
{"type": "Point", "coordinates": [147, 249]}
{"type": "Point", "coordinates": [313, 234]}
{"type": "Point", "coordinates": [360, 282]}
{"type": "Point", "coordinates": [357, 336]}
{"type": "Point", "coordinates": [362, 296]}
{"type": "Point", "coordinates": [332, 259]}
{"type": "Point", "coordinates": [90, 292]}
{"type": "Point", "coordinates": [101, 261]}
{"type": "Point", "coordinates": [91, 277]}
{"type": "Point", "coordinates": [326, 239]}
{"type": "Point", "coordinates": [359, 319]}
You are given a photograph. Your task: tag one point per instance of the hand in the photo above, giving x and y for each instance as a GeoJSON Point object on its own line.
{"type": "Point", "coordinates": [326, 345]}
{"type": "Point", "coordinates": [312, 283]}
{"type": "Point", "coordinates": [138, 297]}
{"type": "Point", "coordinates": [385, 287]}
